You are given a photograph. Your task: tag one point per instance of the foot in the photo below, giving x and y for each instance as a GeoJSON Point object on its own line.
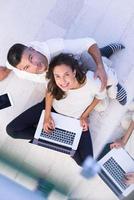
{"type": "Point", "coordinates": [110, 49]}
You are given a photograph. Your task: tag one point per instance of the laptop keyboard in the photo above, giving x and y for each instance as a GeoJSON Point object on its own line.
{"type": "Point", "coordinates": [116, 172]}
{"type": "Point", "coordinates": [60, 135]}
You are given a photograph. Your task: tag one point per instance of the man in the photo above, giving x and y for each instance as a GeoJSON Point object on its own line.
{"type": "Point", "coordinates": [121, 142]}
{"type": "Point", "coordinates": [32, 61]}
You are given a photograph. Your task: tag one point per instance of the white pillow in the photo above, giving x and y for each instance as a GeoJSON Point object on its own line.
{"type": "Point", "coordinates": [125, 122]}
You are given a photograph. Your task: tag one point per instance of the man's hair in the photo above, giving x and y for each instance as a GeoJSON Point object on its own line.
{"type": "Point", "coordinates": [15, 54]}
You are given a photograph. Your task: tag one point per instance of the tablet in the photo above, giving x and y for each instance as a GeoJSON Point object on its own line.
{"type": "Point", "coordinates": [5, 101]}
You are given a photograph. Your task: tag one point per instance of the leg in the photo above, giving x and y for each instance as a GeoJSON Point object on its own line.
{"type": "Point", "coordinates": [77, 158]}
{"type": "Point", "coordinates": [110, 49]}
{"type": "Point", "coordinates": [84, 148]}
{"type": "Point", "coordinates": [121, 95]}
{"type": "Point", "coordinates": [22, 127]}
{"type": "Point", "coordinates": [104, 151]}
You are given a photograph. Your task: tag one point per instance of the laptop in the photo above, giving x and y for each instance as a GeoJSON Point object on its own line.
{"type": "Point", "coordinates": [114, 165]}
{"type": "Point", "coordinates": [64, 138]}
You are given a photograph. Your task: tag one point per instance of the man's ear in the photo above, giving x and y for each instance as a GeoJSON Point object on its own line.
{"type": "Point", "coordinates": [31, 49]}
{"type": "Point", "coordinates": [74, 72]}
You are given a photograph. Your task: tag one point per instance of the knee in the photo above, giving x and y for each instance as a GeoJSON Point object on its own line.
{"type": "Point", "coordinates": [10, 131]}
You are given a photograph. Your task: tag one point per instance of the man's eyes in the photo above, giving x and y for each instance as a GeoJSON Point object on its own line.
{"type": "Point", "coordinates": [30, 57]}
{"type": "Point", "coordinates": [26, 67]}
{"type": "Point", "coordinates": [67, 74]}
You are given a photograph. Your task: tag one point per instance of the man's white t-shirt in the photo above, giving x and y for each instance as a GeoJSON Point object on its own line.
{"type": "Point", "coordinates": [77, 100]}
{"type": "Point", "coordinates": [51, 48]}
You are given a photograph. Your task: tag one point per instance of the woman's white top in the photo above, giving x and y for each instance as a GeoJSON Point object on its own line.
{"type": "Point", "coordinates": [77, 100]}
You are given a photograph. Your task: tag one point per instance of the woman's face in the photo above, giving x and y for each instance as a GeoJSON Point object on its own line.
{"type": "Point", "coordinates": [64, 77]}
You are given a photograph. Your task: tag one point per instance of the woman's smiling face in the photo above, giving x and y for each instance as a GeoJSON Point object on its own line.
{"type": "Point", "coordinates": [64, 77]}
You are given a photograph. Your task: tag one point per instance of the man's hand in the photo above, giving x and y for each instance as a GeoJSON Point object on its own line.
{"type": "Point", "coordinates": [129, 178]}
{"type": "Point", "coordinates": [4, 72]}
{"type": "Point", "coordinates": [101, 74]}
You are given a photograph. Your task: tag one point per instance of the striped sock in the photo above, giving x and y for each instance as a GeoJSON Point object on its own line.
{"type": "Point", "coordinates": [110, 49]}
{"type": "Point", "coordinates": [121, 95]}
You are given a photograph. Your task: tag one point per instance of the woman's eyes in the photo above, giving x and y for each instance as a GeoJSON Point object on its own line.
{"type": "Point", "coordinates": [56, 76]}
{"type": "Point", "coordinates": [67, 74]}
{"type": "Point", "coordinates": [59, 77]}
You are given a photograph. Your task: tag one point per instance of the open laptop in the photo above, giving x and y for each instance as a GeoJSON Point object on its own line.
{"type": "Point", "coordinates": [64, 138]}
{"type": "Point", "coordinates": [114, 165]}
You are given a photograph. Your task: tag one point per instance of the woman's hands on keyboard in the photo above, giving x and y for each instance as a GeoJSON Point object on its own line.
{"type": "Point", "coordinates": [49, 124]}
{"type": "Point", "coordinates": [129, 178]}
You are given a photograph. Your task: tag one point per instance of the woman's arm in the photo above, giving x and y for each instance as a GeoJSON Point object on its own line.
{"type": "Point", "coordinates": [48, 121]}
{"type": "Point", "coordinates": [128, 133]}
{"type": "Point", "coordinates": [123, 141]}
{"type": "Point", "coordinates": [90, 108]}
{"type": "Point", "coordinates": [85, 114]}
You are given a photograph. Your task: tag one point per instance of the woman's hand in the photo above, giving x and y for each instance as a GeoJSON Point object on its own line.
{"type": "Point", "coordinates": [117, 144]}
{"type": "Point", "coordinates": [129, 178]}
{"type": "Point", "coordinates": [49, 124]}
{"type": "Point", "coordinates": [84, 123]}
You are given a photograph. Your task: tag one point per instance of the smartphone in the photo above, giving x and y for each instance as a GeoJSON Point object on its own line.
{"type": "Point", "coordinates": [5, 101]}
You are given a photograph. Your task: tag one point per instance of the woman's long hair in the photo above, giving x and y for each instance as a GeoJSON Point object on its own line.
{"type": "Point", "coordinates": [69, 60]}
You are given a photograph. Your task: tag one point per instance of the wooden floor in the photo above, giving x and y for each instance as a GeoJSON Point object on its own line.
{"type": "Point", "coordinates": [28, 20]}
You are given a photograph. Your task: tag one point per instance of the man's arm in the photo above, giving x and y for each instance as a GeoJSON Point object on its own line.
{"type": "Point", "coordinates": [100, 71]}
{"type": "Point", "coordinates": [4, 72]}
{"type": "Point", "coordinates": [123, 141]}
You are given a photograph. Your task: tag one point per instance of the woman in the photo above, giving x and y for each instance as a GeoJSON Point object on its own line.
{"type": "Point", "coordinates": [121, 142]}
{"type": "Point", "coordinates": [24, 125]}
{"type": "Point", "coordinates": [73, 93]}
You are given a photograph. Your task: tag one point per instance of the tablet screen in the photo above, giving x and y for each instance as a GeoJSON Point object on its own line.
{"type": "Point", "coordinates": [4, 101]}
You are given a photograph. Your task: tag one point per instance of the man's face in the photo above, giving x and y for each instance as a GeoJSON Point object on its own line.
{"type": "Point", "coordinates": [33, 62]}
